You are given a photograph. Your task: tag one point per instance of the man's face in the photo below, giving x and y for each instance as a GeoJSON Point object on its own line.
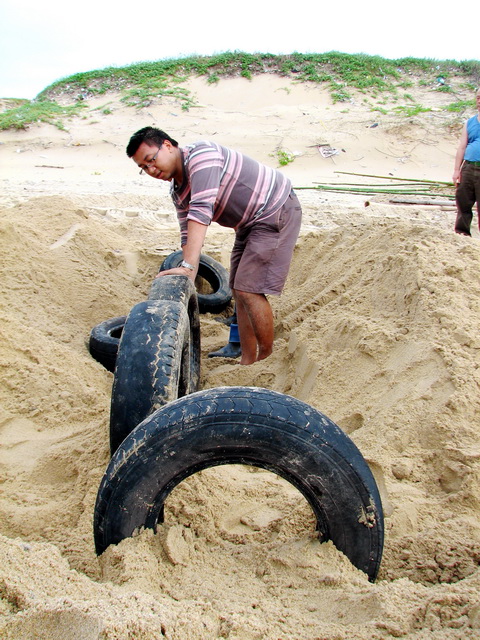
{"type": "Point", "coordinates": [158, 162]}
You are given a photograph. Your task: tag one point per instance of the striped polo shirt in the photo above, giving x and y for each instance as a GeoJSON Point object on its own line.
{"type": "Point", "coordinates": [226, 186]}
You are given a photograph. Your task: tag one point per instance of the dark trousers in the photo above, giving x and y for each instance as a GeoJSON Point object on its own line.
{"type": "Point", "coordinates": [467, 193]}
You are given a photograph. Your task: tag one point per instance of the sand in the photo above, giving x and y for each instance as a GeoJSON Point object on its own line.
{"type": "Point", "coordinates": [376, 328]}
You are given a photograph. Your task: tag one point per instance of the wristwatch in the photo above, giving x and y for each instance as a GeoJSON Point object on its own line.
{"type": "Point", "coordinates": [187, 265]}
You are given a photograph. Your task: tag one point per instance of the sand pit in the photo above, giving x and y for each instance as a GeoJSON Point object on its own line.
{"type": "Point", "coordinates": [376, 329]}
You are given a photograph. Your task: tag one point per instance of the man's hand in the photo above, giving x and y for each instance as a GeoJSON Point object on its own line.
{"type": "Point", "coordinates": [178, 271]}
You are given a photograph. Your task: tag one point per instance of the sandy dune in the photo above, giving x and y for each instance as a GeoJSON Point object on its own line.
{"type": "Point", "coordinates": [377, 328]}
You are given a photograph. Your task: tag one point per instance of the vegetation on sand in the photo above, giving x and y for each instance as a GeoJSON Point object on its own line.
{"type": "Point", "coordinates": [140, 84]}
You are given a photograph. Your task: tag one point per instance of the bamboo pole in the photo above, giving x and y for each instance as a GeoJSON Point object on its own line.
{"type": "Point", "coordinates": [372, 191]}
{"type": "Point", "coordinates": [398, 186]}
{"type": "Point", "coordinates": [372, 184]}
{"type": "Point", "coordinates": [369, 175]}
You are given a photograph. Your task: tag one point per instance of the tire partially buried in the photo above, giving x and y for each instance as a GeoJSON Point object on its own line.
{"type": "Point", "coordinates": [244, 425]}
{"type": "Point", "coordinates": [105, 336]}
{"type": "Point", "coordinates": [214, 273]}
{"type": "Point", "coordinates": [153, 364]}
{"type": "Point", "coordinates": [104, 340]}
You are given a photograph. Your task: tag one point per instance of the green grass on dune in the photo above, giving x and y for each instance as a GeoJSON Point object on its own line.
{"type": "Point", "coordinates": [143, 82]}
{"type": "Point", "coordinates": [47, 111]}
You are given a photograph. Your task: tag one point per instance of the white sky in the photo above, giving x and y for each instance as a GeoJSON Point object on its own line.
{"type": "Point", "coordinates": [43, 41]}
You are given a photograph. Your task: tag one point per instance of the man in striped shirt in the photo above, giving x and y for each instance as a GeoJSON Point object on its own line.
{"type": "Point", "coordinates": [210, 182]}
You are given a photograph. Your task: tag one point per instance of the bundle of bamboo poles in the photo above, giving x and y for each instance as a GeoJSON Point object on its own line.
{"type": "Point", "coordinates": [397, 186]}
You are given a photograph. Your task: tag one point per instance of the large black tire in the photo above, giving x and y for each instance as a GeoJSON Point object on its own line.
{"type": "Point", "coordinates": [181, 289]}
{"type": "Point", "coordinates": [244, 425]}
{"type": "Point", "coordinates": [104, 340]}
{"type": "Point", "coordinates": [214, 273]}
{"type": "Point", "coordinates": [153, 364]}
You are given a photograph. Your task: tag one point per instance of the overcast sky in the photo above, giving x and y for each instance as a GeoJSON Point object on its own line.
{"type": "Point", "coordinates": [41, 42]}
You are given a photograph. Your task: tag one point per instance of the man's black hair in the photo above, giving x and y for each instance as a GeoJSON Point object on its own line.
{"type": "Point", "coordinates": [149, 135]}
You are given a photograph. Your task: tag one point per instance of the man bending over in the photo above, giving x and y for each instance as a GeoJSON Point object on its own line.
{"type": "Point", "coordinates": [209, 182]}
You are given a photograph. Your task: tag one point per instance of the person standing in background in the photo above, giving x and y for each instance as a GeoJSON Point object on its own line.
{"type": "Point", "coordinates": [466, 173]}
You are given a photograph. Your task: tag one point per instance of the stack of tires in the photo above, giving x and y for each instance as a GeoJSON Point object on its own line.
{"type": "Point", "coordinates": [163, 430]}
{"type": "Point", "coordinates": [158, 355]}
{"type": "Point", "coordinates": [154, 352]}
{"type": "Point", "coordinates": [105, 336]}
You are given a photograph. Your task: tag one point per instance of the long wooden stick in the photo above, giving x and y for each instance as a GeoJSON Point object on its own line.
{"type": "Point", "coordinates": [372, 184]}
{"type": "Point", "coordinates": [367, 191]}
{"type": "Point", "coordinates": [369, 175]}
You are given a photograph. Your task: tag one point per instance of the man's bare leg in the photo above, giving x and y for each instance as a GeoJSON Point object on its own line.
{"type": "Point", "coordinates": [255, 325]}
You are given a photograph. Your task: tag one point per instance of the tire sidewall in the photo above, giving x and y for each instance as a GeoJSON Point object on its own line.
{"type": "Point", "coordinates": [244, 425]}
{"type": "Point", "coordinates": [153, 364]}
{"type": "Point", "coordinates": [214, 273]}
{"type": "Point", "coordinates": [104, 340]}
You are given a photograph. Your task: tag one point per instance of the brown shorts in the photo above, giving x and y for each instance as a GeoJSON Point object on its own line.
{"type": "Point", "coordinates": [261, 254]}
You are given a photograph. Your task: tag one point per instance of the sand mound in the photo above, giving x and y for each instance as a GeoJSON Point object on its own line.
{"type": "Point", "coordinates": [376, 329]}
